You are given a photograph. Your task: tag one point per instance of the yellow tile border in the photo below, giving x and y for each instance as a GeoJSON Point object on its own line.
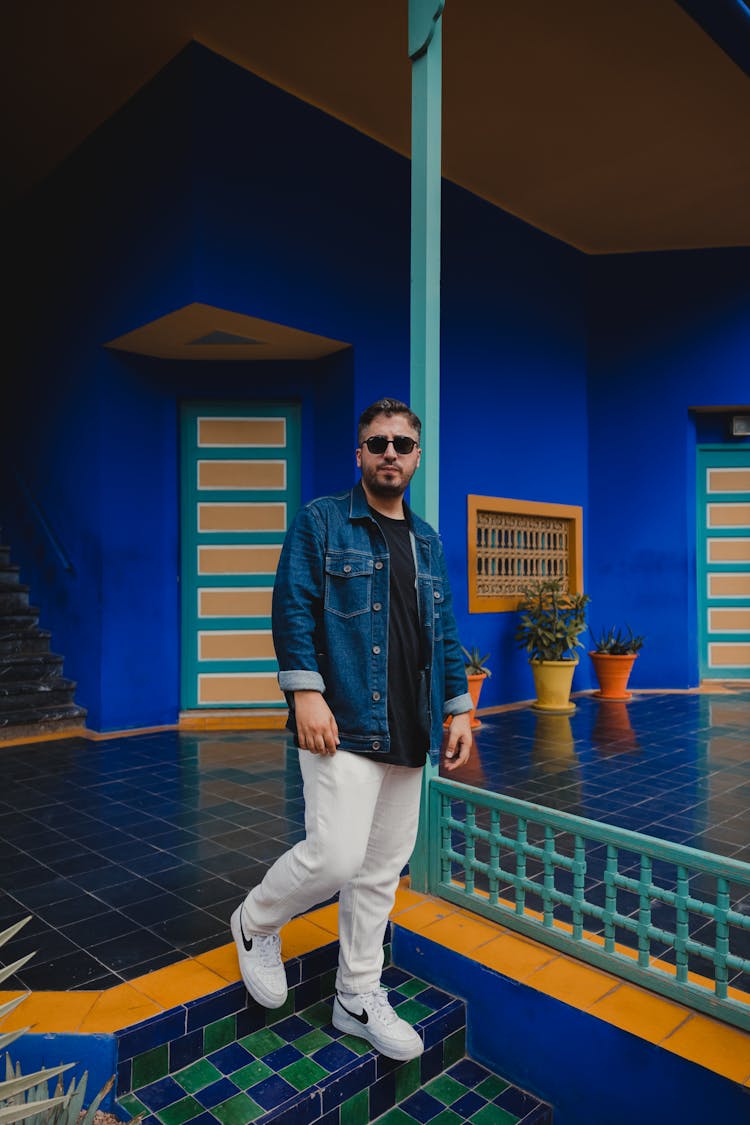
{"type": "Point", "coordinates": [232, 720]}
{"type": "Point", "coordinates": [194, 722]}
{"type": "Point", "coordinates": [674, 1027]}
{"type": "Point", "coordinates": [721, 1048]}
{"type": "Point", "coordinates": [47, 736]}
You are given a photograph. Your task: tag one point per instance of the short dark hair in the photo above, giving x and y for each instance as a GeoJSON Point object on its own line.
{"type": "Point", "coordinates": [388, 406]}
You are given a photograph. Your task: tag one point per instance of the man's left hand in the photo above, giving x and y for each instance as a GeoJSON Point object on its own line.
{"type": "Point", "coordinates": [458, 746]}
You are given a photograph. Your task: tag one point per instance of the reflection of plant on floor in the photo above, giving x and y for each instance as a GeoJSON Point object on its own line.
{"type": "Point", "coordinates": [26, 1097]}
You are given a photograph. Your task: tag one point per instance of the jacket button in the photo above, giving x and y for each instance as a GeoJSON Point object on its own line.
{"type": "Point", "coordinates": [435, 595]}
{"type": "Point", "coordinates": [376, 745]}
{"type": "Point", "coordinates": [376, 695]}
{"type": "Point", "coordinates": [347, 569]}
{"type": "Point", "coordinates": [376, 649]}
{"type": "Point", "coordinates": [376, 606]}
{"type": "Point", "coordinates": [378, 565]}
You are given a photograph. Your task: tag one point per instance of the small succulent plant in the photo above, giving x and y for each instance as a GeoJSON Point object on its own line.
{"type": "Point", "coordinates": [614, 642]}
{"type": "Point", "coordinates": [475, 664]}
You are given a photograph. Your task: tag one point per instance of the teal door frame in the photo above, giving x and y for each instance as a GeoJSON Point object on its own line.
{"type": "Point", "coordinates": [192, 539]}
{"type": "Point", "coordinates": [719, 457]}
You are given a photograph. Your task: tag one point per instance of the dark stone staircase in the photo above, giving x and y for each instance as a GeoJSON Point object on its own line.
{"type": "Point", "coordinates": [34, 695]}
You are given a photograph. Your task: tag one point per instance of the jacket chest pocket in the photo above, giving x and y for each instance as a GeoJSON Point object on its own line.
{"type": "Point", "coordinates": [348, 580]}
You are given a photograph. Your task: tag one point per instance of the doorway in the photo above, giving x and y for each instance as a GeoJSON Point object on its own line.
{"type": "Point", "coordinates": [240, 487]}
{"type": "Point", "coordinates": [723, 546]}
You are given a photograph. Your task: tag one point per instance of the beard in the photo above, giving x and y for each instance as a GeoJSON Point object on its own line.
{"type": "Point", "coordinates": [388, 483]}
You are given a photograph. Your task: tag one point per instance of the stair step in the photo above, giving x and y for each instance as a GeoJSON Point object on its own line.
{"type": "Point", "coordinates": [20, 620]}
{"type": "Point", "coordinates": [31, 667]}
{"type": "Point", "coordinates": [34, 694]}
{"type": "Point", "coordinates": [14, 597]}
{"type": "Point", "coordinates": [293, 1068]}
{"type": "Point", "coordinates": [23, 641]}
{"type": "Point", "coordinates": [31, 722]}
{"type": "Point", "coordinates": [29, 695]}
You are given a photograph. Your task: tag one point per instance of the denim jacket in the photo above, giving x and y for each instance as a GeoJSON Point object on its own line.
{"type": "Point", "coordinates": [330, 620]}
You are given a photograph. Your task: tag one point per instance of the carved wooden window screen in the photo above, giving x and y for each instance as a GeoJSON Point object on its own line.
{"type": "Point", "coordinates": [515, 542]}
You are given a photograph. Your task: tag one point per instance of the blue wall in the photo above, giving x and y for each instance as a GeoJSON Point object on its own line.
{"type": "Point", "coordinates": [513, 403]}
{"type": "Point", "coordinates": [669, 334]}
{"type": "Point", "coordinates": [101, 246]}
{"type": "Point", "coordinates": [213, 186]}
{"type": "Point", "coordinates": [590, 1071]}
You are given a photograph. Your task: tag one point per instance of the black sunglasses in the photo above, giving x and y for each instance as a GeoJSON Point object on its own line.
{"type": "Point", "coordinates": [378, 443]}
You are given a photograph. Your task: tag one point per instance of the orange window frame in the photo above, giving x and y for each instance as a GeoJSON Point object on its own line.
{"type": "Point", "coordinates": [570, 513]}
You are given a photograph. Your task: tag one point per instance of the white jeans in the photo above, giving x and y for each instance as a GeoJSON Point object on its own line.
{"type": "Point", "coordinates": [361, 819]}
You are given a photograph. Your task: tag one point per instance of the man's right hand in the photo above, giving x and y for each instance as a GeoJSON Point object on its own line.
{"type": "Point", "coordinates": [316, 727]}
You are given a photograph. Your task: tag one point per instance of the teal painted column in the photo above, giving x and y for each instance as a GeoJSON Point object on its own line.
{"type": "Point", "coordinates": [425, 52]}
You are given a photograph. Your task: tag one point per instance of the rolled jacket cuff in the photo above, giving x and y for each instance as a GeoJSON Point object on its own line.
{"type": "Point", "coordinates": [301, 679]}
{"type": "Point", "coordinates": [458, 705]}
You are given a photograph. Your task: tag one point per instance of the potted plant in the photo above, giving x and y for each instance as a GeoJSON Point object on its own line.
{"type": "Point", "coordinates": [551, 623]}
{"type": "Point", "coordinates": [476, 673]}
{"type": "Point", "coordinates": [613, 657]}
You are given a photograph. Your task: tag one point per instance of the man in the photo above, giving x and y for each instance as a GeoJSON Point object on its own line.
{"type": "Point", "coordinates": [370, 664]}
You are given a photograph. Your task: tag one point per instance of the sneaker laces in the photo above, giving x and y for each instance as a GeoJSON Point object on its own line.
{"type": "Point", "coordinates": [381, 1007]}
{"type": "Point", "coordinates": [269, 950]}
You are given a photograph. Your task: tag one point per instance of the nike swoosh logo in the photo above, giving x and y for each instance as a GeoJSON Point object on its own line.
{"type": "Point", "coordinates": [247, 944]}
{"type": "Point", "coordinates": [362, 1016]}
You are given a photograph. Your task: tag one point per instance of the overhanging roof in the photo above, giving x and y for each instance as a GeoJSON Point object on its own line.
{"type": "Point", "coordinates": [612, 126]}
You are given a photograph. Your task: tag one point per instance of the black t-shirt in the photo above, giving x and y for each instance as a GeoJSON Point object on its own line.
{"type": "Point", "coordinates": [409, 737]}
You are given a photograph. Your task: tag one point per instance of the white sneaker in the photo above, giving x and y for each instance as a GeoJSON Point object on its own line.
{"type": "Point", "coordinates": [370, 1016]}
{"type": "Point", "coordinates": [261, 966]}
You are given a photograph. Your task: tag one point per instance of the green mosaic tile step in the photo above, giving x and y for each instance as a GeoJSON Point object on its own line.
{"type": "Point", "coordinates": [299, 1069]}
{"type": "Point", "coordinates": [467, 1092]}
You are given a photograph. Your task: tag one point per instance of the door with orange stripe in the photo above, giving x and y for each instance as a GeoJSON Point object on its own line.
{"type": "Point", "coordinates": [240, 487]}
{"type": "Point", "coordinates": [724, 561]}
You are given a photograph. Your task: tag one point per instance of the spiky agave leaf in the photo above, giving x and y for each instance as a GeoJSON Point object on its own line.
{"type": "Point", "coordinates": [88, 1119]}
{"type": "Point", "coordinates": [11, 1113]}
{"type": "Point", "coordinates": [7, 1008]}
{"type": "Point", "coordinates": [22, 1097]}
{"type": "Point", "coordinates": [26, 1097]}
{"type": "Point", "coordinates": [18, 1084]}
{"type": "Point", "coordinates": [11, 931]}
{"type": "Point", "coordinates": [39, 1094]}
{"type": "Point", "coordinates": [11, 1036]}
{"type": "Point", "coordinates": [70, 1112]}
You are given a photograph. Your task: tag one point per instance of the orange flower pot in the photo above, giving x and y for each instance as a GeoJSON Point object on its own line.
{"type": "Point", "coordinates": [613, 673]}
{"type": "Point", "coordinates": [475, 686]}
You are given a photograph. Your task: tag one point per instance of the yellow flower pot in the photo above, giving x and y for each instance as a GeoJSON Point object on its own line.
{"type": "Point", "coordinates": [553, 680]}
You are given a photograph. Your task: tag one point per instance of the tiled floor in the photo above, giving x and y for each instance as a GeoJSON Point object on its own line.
{"type": "Point", "coordinates": [673, 766]}
{"type": "Point", "coordinates": [296, 1066]}
{"type": "Point", "coordinates": [132, 852]}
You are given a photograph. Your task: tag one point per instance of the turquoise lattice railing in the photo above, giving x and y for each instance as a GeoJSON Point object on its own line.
{"type": "Point", "coordinates": [656, 913]}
